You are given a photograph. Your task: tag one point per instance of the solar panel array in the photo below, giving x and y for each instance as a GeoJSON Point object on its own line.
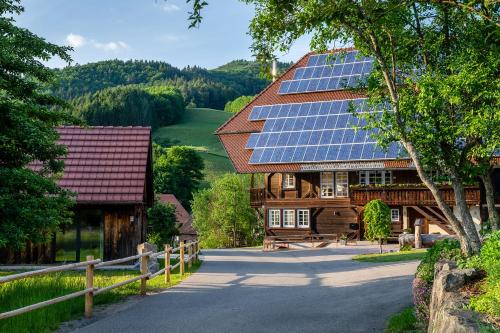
{"type": "Point", "coordinates": [315, 132]}
{"type": "Point", "coordinates": [325, 72]}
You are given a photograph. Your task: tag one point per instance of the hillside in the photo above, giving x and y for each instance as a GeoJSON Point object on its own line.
{"type": "Point", "coordinates": [196, 129]}
{"type": "Point", "coordinates": [199, 87]}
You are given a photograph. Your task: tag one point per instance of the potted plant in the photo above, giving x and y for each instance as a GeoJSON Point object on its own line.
{"type": "Point", "coordinates": [343, 239]}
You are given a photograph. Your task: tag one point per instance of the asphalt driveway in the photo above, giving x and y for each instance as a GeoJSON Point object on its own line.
{"type": "Point", "coordinates": [247, 290]}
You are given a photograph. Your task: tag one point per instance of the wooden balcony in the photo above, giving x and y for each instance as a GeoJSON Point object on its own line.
{"type": "Point", "coordinates": [257, 197]}
{"type": "Point", "coordinates": [411, 196]}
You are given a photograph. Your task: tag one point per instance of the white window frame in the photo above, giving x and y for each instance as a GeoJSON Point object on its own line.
{"type": "Point", "coordinates": [385, 177]}
{"type": "Point", "coordinates": [300, 223]}
{"type": "Point", "coordinates": [274, 218]}
{"type": "Point", "coordinates": [328, 185]}
{"type": "Point", "coordinates": [288, 218]}
{"type": "Point", "coordinates": [288, 181]}
{"type": "Point", "coordinates": [393, 217]}
{"type": "Point", "coordinates": [342, 186]}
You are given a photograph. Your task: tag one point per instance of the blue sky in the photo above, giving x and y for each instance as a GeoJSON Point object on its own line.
{"type": "Point", "coordinates": [146, 29]}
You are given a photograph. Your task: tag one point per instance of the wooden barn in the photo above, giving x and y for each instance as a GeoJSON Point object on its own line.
{"type": "Point", "coordinates": [110, 170]}
{"type": "Point", "coordinates": [184, 219]}
{"type": "Point", "coordinates": [303, 133]}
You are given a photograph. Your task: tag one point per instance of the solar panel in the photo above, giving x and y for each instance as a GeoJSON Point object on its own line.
{"type": "Point", "coordinates": [315, 132]}
{"type": "Point", "coordinates": [325, 72]}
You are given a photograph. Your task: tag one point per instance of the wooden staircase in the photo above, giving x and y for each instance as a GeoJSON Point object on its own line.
{"type": "Point", "coordinates": [436, 217]}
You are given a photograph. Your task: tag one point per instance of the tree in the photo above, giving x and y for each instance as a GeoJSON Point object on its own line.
{"type": "Point", "coordinates": [177, 170]}
{"type": "Point", "coordinates": [377, 218]}
{"type": "Point", "coordinates": [163, 223]}
{"type": "Point", "coordinates": [222, 214]}
{"type": "Point", "coordinates": [32, 206]}
{"type": "Point", "coordinates": [238, 104]}
{"type": "Point", "coordinates": [417, 46]}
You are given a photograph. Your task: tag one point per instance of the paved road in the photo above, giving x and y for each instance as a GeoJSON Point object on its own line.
{"type": "Point", "coordinates": [247, 290]}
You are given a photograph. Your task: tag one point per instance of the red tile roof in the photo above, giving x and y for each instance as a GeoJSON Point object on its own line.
{"type": "Point", "coordinates": [183, 217]}
{"type": "Point", "coordinates": [106, 164]}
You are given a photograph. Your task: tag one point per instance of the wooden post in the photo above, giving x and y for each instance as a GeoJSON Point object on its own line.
{"type": "Point", "coordinates": [418, 233]}
{"type": "Point", "coordinates": [167, 263]}
{"type": "Point", "coordinates": [197, 249]}
{"type": "Point", "coordinates": [89, 283]}
{"type": "Point", "coordinates": [190, 253]}
{"type": "Point", "coordinates": [181, 258]}
{"type": "Point", "coordinates": [144, 270]}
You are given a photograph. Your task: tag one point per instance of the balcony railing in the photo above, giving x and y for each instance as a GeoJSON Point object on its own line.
{"type": "Point", "coordinates": [257, 197]}
{"type": "Point", "coordinates": [410, 196]}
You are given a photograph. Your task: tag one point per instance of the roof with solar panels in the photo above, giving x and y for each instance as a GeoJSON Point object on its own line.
{"type": "Point", "coordinates": [307, 120]}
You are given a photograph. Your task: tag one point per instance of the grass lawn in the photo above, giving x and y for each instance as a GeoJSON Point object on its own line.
{"type": "Point", "coordinates": [196, 129]}
{"type": "Point", "coordinates": [391, 256]}
{"type": "Point", "coordinates": [28, 291]}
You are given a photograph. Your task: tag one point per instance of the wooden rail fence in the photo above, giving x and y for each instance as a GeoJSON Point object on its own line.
{"type": "Point", "coordinates": [91, 264]}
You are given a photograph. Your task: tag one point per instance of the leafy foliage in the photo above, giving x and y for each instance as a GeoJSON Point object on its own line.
{"type": "Point", "coordinates": [238, 104]}
{"type": "Point", "coordinates": [162, 220]}
{"type": "Point", "coordinates": [443, 249]}
{"type": "Point", "coordinates": [222, 213]}
{"type": "Point", "coordinates": [177, 170]}
{"type": "Point", "coordinates": [198, 86]}
{"type": "Point", "coordinates": [130, 106]}
{"type": "Point", "coordinates": [377, 218]}
{"type": "Point", "coordinates": [31, 205]}
{"type": "Point", "coordinates": [403, 322]}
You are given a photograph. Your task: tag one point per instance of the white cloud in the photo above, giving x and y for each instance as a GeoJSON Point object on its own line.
{"type": "Point", "coordinates": [170, 7]}
{"type": "Point", "coordinates": [75, 40]}
{"type": "Point", "coordinates": [110, 46]}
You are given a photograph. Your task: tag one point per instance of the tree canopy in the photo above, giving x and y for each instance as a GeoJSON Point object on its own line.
{"type": "Point", "coordinates": [177, 170]}
{"type": "Point", "coordinates": [238, 104]}
{"type": "Point", "coordinates": [377, 218]}
{"type": "Point", "coordinates": [222, 215]}
{"type": "Point", "coordinates": [163, 223]}
{"type": "Point", "coordinates": [32, 206]}
{"type": "Point", "coordinates": [130, 105]}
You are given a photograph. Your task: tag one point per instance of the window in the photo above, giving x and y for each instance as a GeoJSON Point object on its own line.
{"type": "Point", "coordinates": [375, 177]}
{"type": "Point", "coordinates": [342, 180]}
{"type": "Point", "coordinates": [303, 218]}
{"type": "Point", "coordinates": [289, 218]}
{"type": "Point", "coordinates": [395, 215]}
{"type": "Point", "coordinates": [326, 184]}
{"type": "Point", "coordinates": [274, 218]}
{"type": "Point", "coordinates": [288, 181]}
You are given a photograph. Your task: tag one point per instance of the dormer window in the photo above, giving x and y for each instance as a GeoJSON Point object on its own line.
{"type": "Point", "coordinates": [288, 181]}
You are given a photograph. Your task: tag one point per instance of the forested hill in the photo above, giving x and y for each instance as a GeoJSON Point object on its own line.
{"type": "Point", "coordinates": [198, 86]}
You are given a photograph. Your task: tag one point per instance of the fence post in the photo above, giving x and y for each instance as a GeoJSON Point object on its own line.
{"type": "Point", "coordinates": [167, 263]}
{"type": "Point", "coordinates": [196, 250]}
{"type": "Point", "coordinates": [190, 254]}
{"type": "Point", "coordinates": [144, 270]}
{"type": "Point", "coordinates": [181, 258]}
{"type": "Point", "coordinates": [89, 283]}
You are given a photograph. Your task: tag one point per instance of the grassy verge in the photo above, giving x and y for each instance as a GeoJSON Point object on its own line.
{"type": "Point", "coordinates": [403, 322]}
{"type": "Point", "coordinates": [28, 291]}
{"type": "Point", "coordinates": [391, 256]}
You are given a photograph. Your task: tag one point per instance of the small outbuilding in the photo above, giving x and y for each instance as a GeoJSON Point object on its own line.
{"type": "Point", "coordinates": [184, 219]}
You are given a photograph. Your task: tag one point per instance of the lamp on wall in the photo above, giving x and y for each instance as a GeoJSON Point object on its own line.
{"type": "Point", "coordinates": [132, 218]}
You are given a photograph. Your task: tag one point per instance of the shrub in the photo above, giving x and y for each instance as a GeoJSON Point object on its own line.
{"type": "Point", "coordinates": [422, 291]}
{"type": "Point", "coordinates": [405, 247]}
{"type": "Point", "coordinates": [443, 249]}
{"type": "Point", "coordinates": [377, 218]}
{"type": "Point", "coordinates": [489, 261]}
{"type": "Point", "coordinates": [402, 322]}
{"type": "Point", "coordinates": [162, 221]}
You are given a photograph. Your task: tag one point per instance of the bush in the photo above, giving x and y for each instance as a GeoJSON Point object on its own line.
{"type": "Point", "coordinates": [406, 247]}
{"type": "Point", "coordinates": [402, 322]}
{"type": "Point", "coordinates": [489, 261]}
{"type": "Point", "coordinates": [422, 291]}
{"type": "Point", "coordinates": [443, 249]}
{"type": "Point", "coordinates": [162, 220]}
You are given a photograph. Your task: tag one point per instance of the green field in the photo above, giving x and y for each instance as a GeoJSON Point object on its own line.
{"type": "Point", "coordinates": [391, 256]}
{"type": "Point", "coordinates": [196, 129]}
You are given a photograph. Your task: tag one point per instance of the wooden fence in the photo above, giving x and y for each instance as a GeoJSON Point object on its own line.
{"type": "Point", "coordinates": [91, 264]}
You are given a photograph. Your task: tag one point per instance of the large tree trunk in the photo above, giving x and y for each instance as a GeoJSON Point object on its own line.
{"type": "Point", "coordinates": [468, 246]}
{"type": "Point", "coordinates": [490, 201]}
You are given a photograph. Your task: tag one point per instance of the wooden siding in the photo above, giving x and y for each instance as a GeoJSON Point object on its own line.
{"type": "Point", "coordinates": [335, 221]}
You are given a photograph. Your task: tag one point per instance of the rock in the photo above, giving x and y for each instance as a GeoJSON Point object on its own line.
{"type": "Point", "coordinates": [447, 306]}
{"type": "Point", "coordinates": [153, 264]}
{"type": "Point", "coordinates": [427, 239]}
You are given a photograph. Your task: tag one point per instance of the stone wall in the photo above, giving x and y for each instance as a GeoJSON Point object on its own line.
{"type": "Point", "coordinates": [448, 311]}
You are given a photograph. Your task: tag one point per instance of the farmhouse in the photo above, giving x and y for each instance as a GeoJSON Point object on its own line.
{"type": "Point", "coordinates": [110, 171]}
{"type": "Point", "coordinates": [184, 219]}
{"type": "Point", "coordinates": [302, 132]}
